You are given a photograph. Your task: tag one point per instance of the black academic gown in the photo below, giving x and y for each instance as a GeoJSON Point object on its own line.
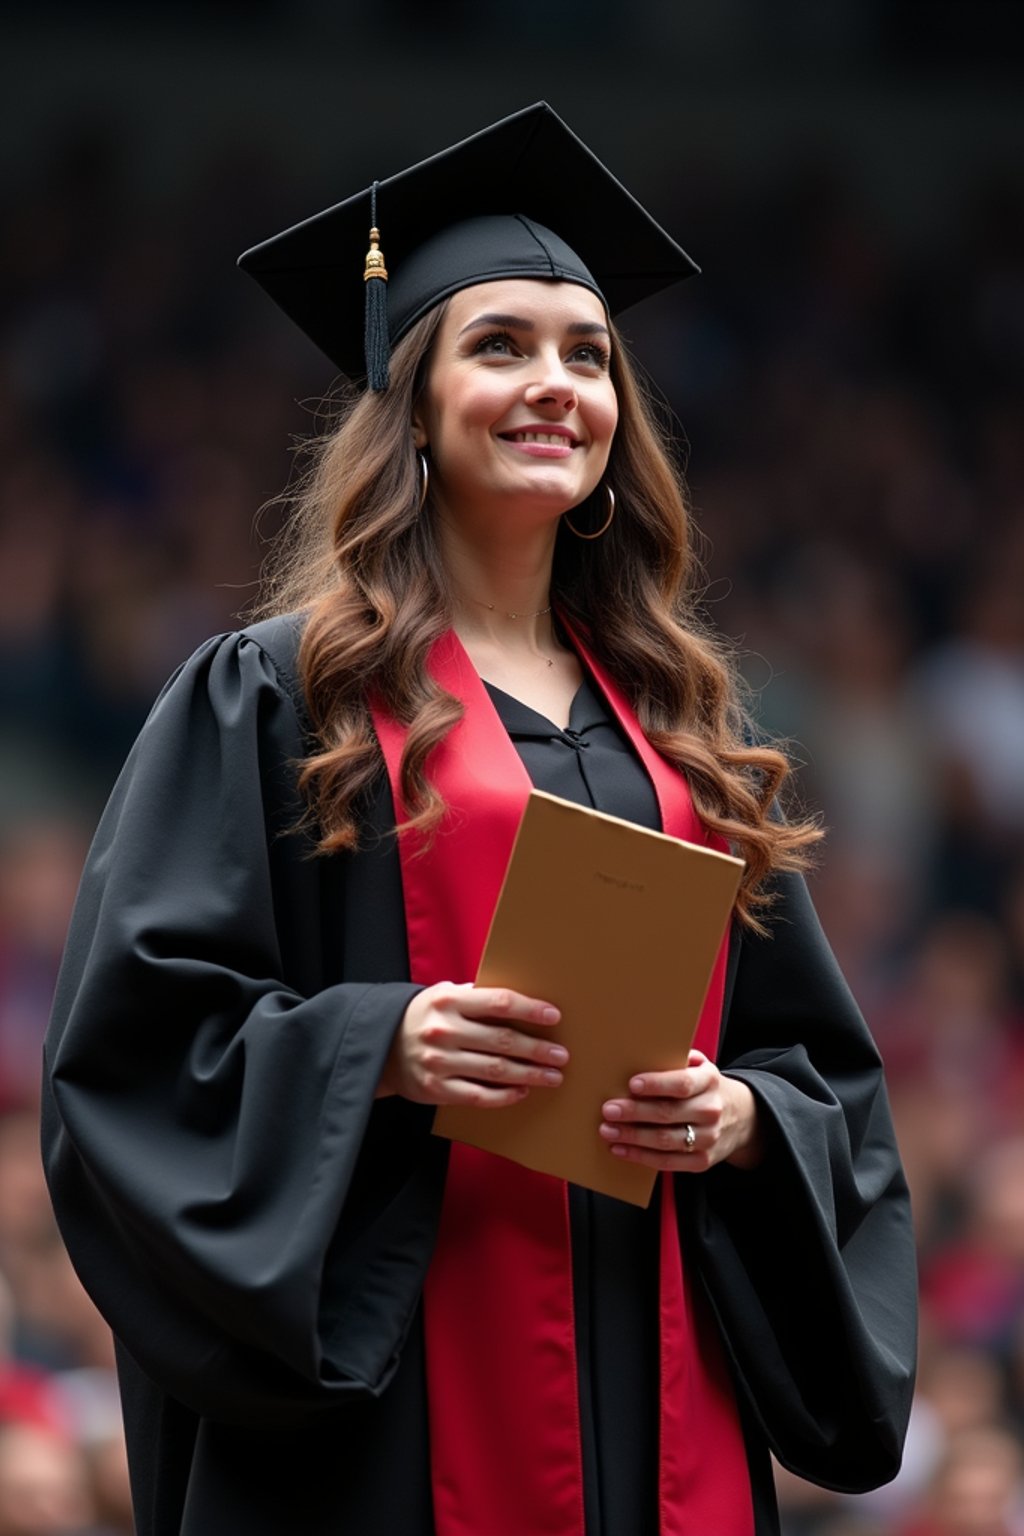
{"type": "Point", "coordinates": [256, 1227]}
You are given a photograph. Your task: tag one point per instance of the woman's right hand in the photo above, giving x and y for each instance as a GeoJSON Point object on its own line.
{"type": "Point", "coordinates": [460, 1045]}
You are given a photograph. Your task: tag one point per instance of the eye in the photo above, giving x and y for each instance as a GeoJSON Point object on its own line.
{"type": "Point", "coordinates": [592, 355]}
{"type": "Point", "coordinates": [497, 343]}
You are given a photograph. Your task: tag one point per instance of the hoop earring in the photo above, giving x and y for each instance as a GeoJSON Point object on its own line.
{"type": "Point", "coordinates": [604, 526]}
{"type": "Point", "coordinates": [424, 480]}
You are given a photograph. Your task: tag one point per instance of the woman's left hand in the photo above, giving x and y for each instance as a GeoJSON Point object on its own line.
{"type": "Point", "coordinates": [650, 1126]}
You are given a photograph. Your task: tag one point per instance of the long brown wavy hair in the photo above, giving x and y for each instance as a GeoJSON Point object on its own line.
{"type": "Point", "coordinates": [360, 558]}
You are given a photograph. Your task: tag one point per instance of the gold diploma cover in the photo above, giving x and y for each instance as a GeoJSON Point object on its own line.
{"type": "Point", "coordinates": [619, 928]}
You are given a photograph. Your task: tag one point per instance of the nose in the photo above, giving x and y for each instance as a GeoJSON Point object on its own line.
{"type": "Point", "coordinates": [551, 383]}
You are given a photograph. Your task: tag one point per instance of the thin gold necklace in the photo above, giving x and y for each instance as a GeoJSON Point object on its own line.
{"type": "Point", "coordinates": [494, 609]}
{"type": "Point", "coordinates": [538, 615]}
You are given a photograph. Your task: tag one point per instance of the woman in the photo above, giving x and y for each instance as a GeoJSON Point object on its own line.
{"type": "Point", "coordinates": [327, 1319]}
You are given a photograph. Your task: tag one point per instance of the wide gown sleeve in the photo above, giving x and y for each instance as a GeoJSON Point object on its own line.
{"type": "Point", "coordinates": [253, 1226]}
{"type": "Point", "coordinates": [809, 1261]}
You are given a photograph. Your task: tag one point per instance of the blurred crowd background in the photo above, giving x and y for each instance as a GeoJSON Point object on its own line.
{"type": "Point", "coordinates": [849, 379]}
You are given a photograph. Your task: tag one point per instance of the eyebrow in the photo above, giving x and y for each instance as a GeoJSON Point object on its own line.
{"type": "Point", "coordinates": [518, 323]}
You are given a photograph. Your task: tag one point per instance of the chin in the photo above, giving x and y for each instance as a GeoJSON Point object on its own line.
{"type": "Point", "coordinates": [552, 493]}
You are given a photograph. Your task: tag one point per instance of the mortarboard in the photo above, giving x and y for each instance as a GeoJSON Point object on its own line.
{"type": "Point", "coordinates": [486, 208]}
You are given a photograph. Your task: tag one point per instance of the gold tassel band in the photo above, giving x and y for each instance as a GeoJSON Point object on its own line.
{"type": "Point", "coordinates": [375, 258]}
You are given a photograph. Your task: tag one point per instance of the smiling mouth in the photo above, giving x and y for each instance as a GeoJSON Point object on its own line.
{"type": "Point", "coordinates": [550, 439]}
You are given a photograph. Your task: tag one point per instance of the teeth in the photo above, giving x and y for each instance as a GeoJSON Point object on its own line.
{"type": "Point", "coordinates": [558, 438]}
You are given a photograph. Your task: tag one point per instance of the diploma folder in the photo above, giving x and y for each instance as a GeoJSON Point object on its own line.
{"type": "Point", "coordinates": [619, 927]}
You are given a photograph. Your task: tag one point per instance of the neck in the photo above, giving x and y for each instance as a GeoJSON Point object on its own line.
{"type": "Point", "coordinates": [500, 586]}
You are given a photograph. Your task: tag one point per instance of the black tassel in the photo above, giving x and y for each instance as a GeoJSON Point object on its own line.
{"type": "Point", "coordinates": [375, 278]}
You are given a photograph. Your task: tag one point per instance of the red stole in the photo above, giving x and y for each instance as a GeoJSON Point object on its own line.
{"type": "Point", "coordinates": [498, 1305]}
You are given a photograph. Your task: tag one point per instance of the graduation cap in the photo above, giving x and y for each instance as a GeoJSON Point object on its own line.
{"type": "Point", "coordinates": [485, 209]}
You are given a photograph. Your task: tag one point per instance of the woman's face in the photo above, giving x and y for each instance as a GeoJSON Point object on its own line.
{"type": "Point", "coordinates": [519, 409]}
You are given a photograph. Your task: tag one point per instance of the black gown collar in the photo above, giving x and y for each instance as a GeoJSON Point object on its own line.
{"type": "Point", "coordinates": [588, 709]}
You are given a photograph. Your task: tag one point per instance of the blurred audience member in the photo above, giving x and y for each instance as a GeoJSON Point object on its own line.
{"type": "Point", "coordinates": [977, 1489]}
{"type": "Point", "coordinates": [43, 1480]}
{"type": "Point", "coordinates": [973, 1285]}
